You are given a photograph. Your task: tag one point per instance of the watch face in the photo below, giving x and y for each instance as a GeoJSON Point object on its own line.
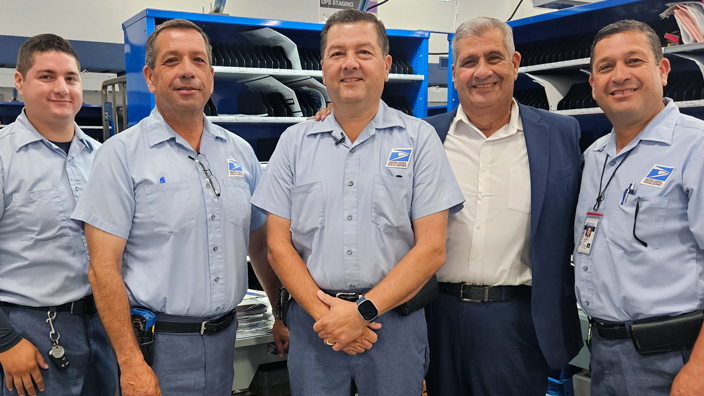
{"type": "Point", "coordinates": [367, 310]}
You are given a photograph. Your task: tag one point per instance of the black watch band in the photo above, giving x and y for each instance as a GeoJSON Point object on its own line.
{"type": "Point", "coordinates": [367, 309]}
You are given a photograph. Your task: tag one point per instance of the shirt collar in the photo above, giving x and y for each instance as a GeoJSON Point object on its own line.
{"type": "Point", "coordinates": [384, 118]}
{"type": "Point", "coordinates": [660, 129]}
{"type": "Point", "coordinates": [515, 124]}
{"type": "Point", "coordinates": [158, 130]}
{"type": "Point", "coordinates": [29, 134]}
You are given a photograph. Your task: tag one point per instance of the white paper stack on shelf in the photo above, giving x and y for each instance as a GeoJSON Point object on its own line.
{"type": "Point", "coordinates": [254, 315]}
{"type": "Point", "coordinates": [690, 19]}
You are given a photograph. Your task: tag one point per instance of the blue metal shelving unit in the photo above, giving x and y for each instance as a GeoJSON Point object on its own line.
{"type": "Point", "coordinates": [413, 45]}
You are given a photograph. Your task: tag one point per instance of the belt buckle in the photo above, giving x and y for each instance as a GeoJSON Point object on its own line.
{"type": "Point", "coordinates": [484, 299]}
{"type": "Point", "coordinates": [202, 327]}
{"type": "Point", "coordinates": [350, 296]}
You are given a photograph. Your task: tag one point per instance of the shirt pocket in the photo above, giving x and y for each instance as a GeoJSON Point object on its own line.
{"type": "Point", "coordinates": [307, 208]}
{"type": "Point", "coordinates": [649, 225]}
{"type": "Point", "coordinates": [238, 196]}
{"type": "Point", "coordinates": [519, 189]}
{"type": "Point", "coordinates": [170, 207]}
{"type": "Point", "coordinates": [40, 215]}
{"type": "Point", "coordinates": [391, 202]}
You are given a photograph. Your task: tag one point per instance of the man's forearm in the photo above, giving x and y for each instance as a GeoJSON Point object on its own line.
{"type": "Point", "coordinates": [114, 309]}
{"type": "Point", "coordinates": [406, 279]}
{"type": "Point", "coordinates": [295, 276]}
{"type": "Point", "coordinates": [416, 268]}
{"type": "Point", "coordinates": [260, 264]}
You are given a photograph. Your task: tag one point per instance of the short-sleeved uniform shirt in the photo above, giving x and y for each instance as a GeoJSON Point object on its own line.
{"type": "Point", "coordinates": [186, 249]}
{"type": "Point", "coordinates": [621, 279]}
{"type": "Point", "coordinates": [43, 254]}
{"type": "Point", "coordinates": [352, 206]}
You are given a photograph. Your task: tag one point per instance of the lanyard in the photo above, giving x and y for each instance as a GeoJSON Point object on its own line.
{"type": "Point", "coordinates": [602, 193]}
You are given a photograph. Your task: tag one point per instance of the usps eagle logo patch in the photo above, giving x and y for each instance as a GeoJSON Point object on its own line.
{"type": "Point", "coordinates": [234, 168]}
{"type": "Point", "coordinates": [658, 176]}
{"type": "Point", "coordinates": [399, 158]}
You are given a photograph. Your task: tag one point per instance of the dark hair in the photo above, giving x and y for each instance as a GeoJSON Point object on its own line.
{"type": "Point", "coordinates": [42, 43]}
{"type": "Point", "coordinates": [629, 25]}
{"type": "Point", "coordinates": [351, 15]}
{"type": "Point", "coordinates": [150, 58]}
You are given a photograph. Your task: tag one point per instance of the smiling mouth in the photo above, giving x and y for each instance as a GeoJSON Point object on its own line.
{"type": "Point", "coordinates": [622, 91]}
{"type": "Point", "coordinates": [351, 79]}
{"type": "Point", "coordinates": [487, 85]}
{"type": "Point", "coordinates": [187, 89]}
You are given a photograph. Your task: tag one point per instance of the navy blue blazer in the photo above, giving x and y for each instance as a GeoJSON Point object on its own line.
{"type": "Point", "coordinates": [555, 162]}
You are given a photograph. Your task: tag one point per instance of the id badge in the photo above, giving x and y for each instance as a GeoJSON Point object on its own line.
{"type": "Point", "coordinates": [591, 224]}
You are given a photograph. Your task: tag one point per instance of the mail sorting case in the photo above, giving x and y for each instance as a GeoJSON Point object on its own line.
{"type": "Point", "coordinates": [246, 60]}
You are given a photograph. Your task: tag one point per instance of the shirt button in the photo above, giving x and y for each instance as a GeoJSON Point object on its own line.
{"type": "Point", "coordinates": [479, 226]}
{"type": "Point", "coordinates": [212, 217]}
{"type": "Point", "coordinates": [217, 279]}
{"type": "Point", "coordinates": [215, 248]}
{"type": "Point", "coordinates": [585, 268]}
{"type": "Point", "coordinates": [612, 163]}
{"type": "Point", "coordinates": [352, 286]}
{"type": "Point", "coordinates": [217, 309]}
{"type": "Point", "coordinates": [352, 150]}
{"type": "Point", "coordinates": [474, 258]}
{"type": "Point", "coordinates": [78, 189]}
{"type": "Point", "coordinates": [586, 303]}
{"type": "Point", "coordinates": [481, 195]}
{"type": "Point", "coordinates": [349, 217]}
{"type": "Point", "coordinates": [483, 169]}
{"type": "Point", "coordinates": [349, 252]}
{"type": "Point", "coordinates": [350, 183]}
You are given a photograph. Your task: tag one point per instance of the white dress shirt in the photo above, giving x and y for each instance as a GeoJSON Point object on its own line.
{"type": "Point", "coordinates": [488, 242]}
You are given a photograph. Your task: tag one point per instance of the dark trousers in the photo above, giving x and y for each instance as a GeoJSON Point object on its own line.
{"type": "Point", "coordinates": [93, 367]}
{"type": "Point", "coordinates": [618, 369]}
{"type": "Point", "coordinates": [395, 365]}
{"type": "Point", "coordinates": [479, 349]}
{"type": "Point", "coordinates": [193, 364]}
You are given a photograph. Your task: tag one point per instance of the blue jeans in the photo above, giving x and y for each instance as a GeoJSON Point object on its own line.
{"type": "Point", "coordinates": [93, 366]}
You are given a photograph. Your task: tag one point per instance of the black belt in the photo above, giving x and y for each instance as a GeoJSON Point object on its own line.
{"type": "Point", "coordinates": [206, 327]}
{"type": "Point", "coordinates": [84, 306]}
{"type": "Point", "coordinates": [612, 331]}
{"type": "Point", "coordinates": [347, 296]}
{"type": "Point", "coordinates": [481, 293]}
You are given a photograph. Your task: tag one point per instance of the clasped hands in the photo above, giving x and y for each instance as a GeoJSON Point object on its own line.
{"type": "Point", "coordinates": [343, 327]}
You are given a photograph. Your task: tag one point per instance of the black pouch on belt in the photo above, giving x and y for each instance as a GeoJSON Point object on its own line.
{"type": "Point", "coordinates": [676, 333]}
{"type": "Point", "coordinates": [283, 302]}
{"type": "Point", "coordinates": [427, 294]}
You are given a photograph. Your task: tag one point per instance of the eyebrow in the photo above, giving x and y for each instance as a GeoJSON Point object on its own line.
{"type": "Point", "coordinates": [487, 54]}
{"type": "Point", "coordinates": [638, 52]}
{"type": "Point", "coordinates": [174, 52]}
{"type": "Point", "coordinates": [361, 45]}
{"type": "Point", "coordinates": [49, 71]}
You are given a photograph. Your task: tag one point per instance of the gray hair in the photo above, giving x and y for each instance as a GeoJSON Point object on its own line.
{"type": "Point", "coordinates": [150, 58]}
{"type": "Point", "coordinates": [478, 26]}
{"type": "Point", "coordinates": [629, 25]}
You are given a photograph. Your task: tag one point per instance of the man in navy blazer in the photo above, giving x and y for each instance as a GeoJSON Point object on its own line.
{"type": "Point", "coordinates": [506, 313]}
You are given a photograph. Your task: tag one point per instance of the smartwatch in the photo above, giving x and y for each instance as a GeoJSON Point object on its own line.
{"type": "Point", "coordinates": [367, 309]}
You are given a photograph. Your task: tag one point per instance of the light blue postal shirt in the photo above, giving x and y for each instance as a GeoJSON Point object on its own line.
{"type": "Point", "coordinates": [352, 206]}
{"type": "Point", "coordinates": [186, 250]}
